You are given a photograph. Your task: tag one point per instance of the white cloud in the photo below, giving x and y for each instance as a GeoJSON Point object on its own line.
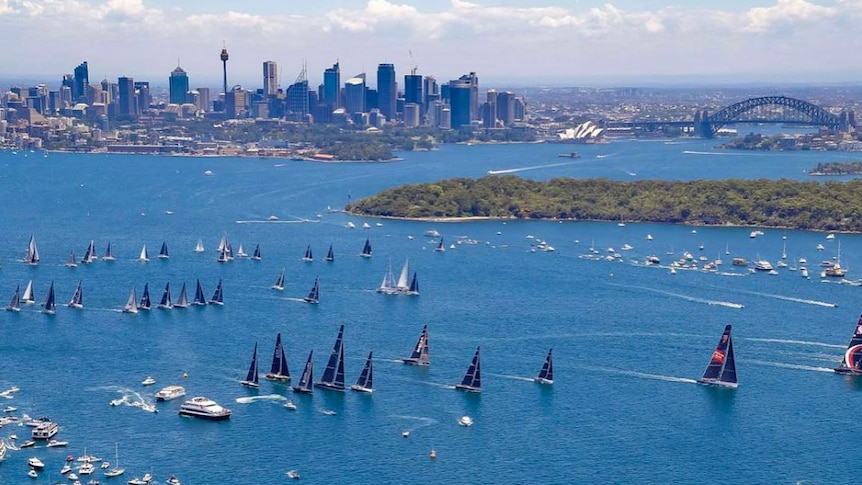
{"type": "Point", "coordinates": [786, 12]}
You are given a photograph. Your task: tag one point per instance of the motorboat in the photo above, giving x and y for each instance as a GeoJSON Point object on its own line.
{"type": "Point", "coordinates": [173, 480]}
{"type": "Point", "coordinates": [86, 469]}
{"type": "Point", "coordinates": [170, 392]}
{"type": "Point", "coordinates": [57, 443]}
{"type": "Point", "coordinates": [290, 405]}
{"type": "Point", "coordinates": [405, 433]}
{"type": "Point", "coordinates": [35, 463]}
{"type": "Point", "coordinates": [762, 265]}
{"type": "Point", "coordinates": [148, 381]}
{"type": "Point", "coordinates": [293, 474]}
{"type": "Point", "coordinates": [32, 474]}
{"type": "Point", "coordinates": [202, 407]}
{"type": "Point", "coordinates": [45, 431]}
{"type": "Point", "coordinates": [465, 421]}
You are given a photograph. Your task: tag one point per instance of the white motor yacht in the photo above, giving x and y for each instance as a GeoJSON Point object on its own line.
{"type": "Point", "coordinates": [35, 463]}
{"type": "Point", "coordinates": [465, 421]}
{"type": "Point", "coordinates": [202, 407]}
{"type": "Point", "coordinates": [170, 392]}
{"type": "Point", "coordinates": [148, 381]}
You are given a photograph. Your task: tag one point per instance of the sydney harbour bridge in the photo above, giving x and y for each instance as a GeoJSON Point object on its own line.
{"type": "Point", "coordinates": [764, 109]}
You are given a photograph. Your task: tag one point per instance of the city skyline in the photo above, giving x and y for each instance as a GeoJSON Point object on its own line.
{"type": "Point", "coordinates": [506, 41]}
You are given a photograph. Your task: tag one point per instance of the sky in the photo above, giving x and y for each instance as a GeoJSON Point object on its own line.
{"type": "Point", "coordinates": [507, 42]}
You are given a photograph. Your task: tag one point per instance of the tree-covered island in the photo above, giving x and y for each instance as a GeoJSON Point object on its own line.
{"type": "Point", "coordinates": [837, 168]}
{"type": "Point", "coordinates": [830, 206]}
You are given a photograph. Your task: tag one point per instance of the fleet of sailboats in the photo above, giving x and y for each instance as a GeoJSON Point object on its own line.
{"type": "Point", "coordinates": [404, 285]}
{"type": "Point", "coordinates": [721, 370]}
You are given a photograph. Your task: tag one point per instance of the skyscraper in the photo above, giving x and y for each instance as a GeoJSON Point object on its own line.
{"type": "Point", "coordinates": [387, 90]}
{"type": "Point", "coordinates": [270, 78]}
{"type": "Point", "coordinates": [178, 85]}
{"type": "Point", "coordinates": [127, 96]}
{"type": "Point", "coordinates": [413, 91]}
{"type": "Point", "coordinates": [354, 94]}
{"type": "Point", "coordinates": [224, 58]}
{"type": "Point", "coordinates": [460, 102]}
{"type": "Point", "coordinates": [332, 87]}
{"type": "Point", "coordinates": [80, 83]}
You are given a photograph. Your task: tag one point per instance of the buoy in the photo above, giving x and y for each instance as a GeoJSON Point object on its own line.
{"type": "Point", "coordinates": [185, 374]}
{"type": "Point", "coordinates": [433, 454]}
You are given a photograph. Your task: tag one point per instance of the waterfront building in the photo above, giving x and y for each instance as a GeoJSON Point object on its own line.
{"type": "Point", "coordinates": [354, 94]}
{"type": "Point", "coordinates": [387, 90]}
{"type": "Point", "coordinates": [178, 85]}
{"type": "Point", "coordinates": [270, 78]}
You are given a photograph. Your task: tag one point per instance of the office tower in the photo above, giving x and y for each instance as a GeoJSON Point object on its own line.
{"type": "Point", "coordinates": [65, 97]}
{"type": "Point", "coordinates": [520, 108]}
{"type": "Point", "coordinates": [430, 91]}
{"type": "Point", "coordinates": [387, 90]}
{"type": "Point", "coordinates": [473, 82]}
{"type": "Point", "coordinates": [331, 94]}
{"type": "Point", "coordinates": [224, 58]}
{"type": "Point", "coordinates": [413, 91]}
{"type": "Point", "coordinates": [411, 115]}
{"type": "Point", "coordinates": [178, 86]}
{"type": "Point", "coordinates": [143, 99]}
{"type": "Point", "coordinates": [270, 78]}
{"type": "Point", "coordinates": [80, 83]}
{"type": "Point", "coordinates": [489, 110]}
{"type": "Point", "coordinates": [236, 103]}
{"type": "Point", "coordinates": [127, 99]}
{"type": "Point", "coordinates": [506, 108]}
{"type": "Point", "coordinates": [459, 102]}
{"type": "Point", "coordinates": [297, 102]}
{"type": "Point", "coordinates": [354, 94]}
{"type": "Point", "coordinates": [108, 92]}
{"type": "Point", "coordinates": [54, 102]}
{"type": "Point", "coordinates": [203, 99]}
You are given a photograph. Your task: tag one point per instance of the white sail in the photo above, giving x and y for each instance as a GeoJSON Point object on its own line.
{"type": "Point", "coordinates": [144, 258]}
{"type": "Point", "coordinates": [404, 278]}
{"type": "Point", "coordinates": [131, 305]}
{"type": "Point", "coordinates": [199, 247]}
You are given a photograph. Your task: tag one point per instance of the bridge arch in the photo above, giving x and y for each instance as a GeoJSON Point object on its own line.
{"type": "Point", "coordinates": [730, 114]}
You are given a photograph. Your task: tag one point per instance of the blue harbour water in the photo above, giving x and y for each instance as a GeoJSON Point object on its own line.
{"type": "Point", "coordinates": [628, 339]}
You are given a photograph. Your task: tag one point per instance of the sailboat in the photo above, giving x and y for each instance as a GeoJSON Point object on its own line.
{"type": "Point", "coordinates": [279, 282]}
{"type": "Point", "coordinates": [163, 252]}
{"type": "Point", "coordinates": [403, 283]}
{"type": "Point", "coordinates": [251, 379]}
{"type": "Point", "coordinates": [836, 271]}
{"type": "Point", "coordinates": [90, 253]}
{"type": "Point", "coordinates": [240, 253]}
{"type": "Point", "coordinates": [278, 371]}
{"type": "Point", "coordinates": [145, 298]}
{"type": "Point", "coordinates": [721, 370]}
{"type": "Point", "coordinates": [308, 256]}
{"type": "Point", "coordinates": [166, 303]}
{"type": "Point", "coordinates": [49, 306]}
{"type": "Point", "coordinates": [314, 294]}
{"type": "Point", "coordinates": [388, 284]}
{"type": "Point", "coordinates": [366, 250]}
{"type": "Point", "coordinates": [199, 299]}
{"type": "Point", "coordinates": [28, 297]}
{"type": "Point", "coordinates": [199, 247]}
{"type": "Point", "coordinates": [116, 471]}
{"type": "Point", "coordinates": [222, 244]}
{"type": "Point", "coordinates": [333, 375]}
{"type": "Point", "coordinates": [365, 382]}
{"type": "Point", "coordinates": [77, 300]}
{"type": "Point", "coordinates": [305, 382]}
{"type": "Point", "coordinates": [330, 256]}
{"type": "Point", "coordinates": [32, 255]}
{"type": "Point", "coordinates": [472, 381]}
{"type": "Point", "coordinates": [71, 263]}
{"type": "Point", "coordinates": [183, 300]}
{"type": "Point", "coordinates": [109, 253]}
{"type": "Point", "coordinates": [256, 254]}
{"type": "Point", "coordinates": [218, 295]}
{"type": "Point", "coordinates": [546, 375]}
{"type": "Point", "coordinates": [131, 305]}
{"type": "Point", "coordinates": [143, 257]}
{"type": "Point", "coordinates": [223, 256]}
{"type": "Point", "coordinates": [440, 246]}
{"type": "Point", "coordinates": [851, 363]}
{"type": "Point", "coordinates": [420, 350]}
{"type": "Point", "coordinates": [15, 304]}
{"type": "Point", "coordinates": [413, 290]}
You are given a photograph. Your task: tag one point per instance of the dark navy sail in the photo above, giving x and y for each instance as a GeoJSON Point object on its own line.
{"type": "Point", "coordinates": [419, 356]}
{"type": "Point", "coordinates": [109, 253]}
{"type": "Point", "coordinates": [333, 375]}
{"type": "Point", "coordinates": [218, 295]}
{"type": "Point", "coordinates": [366, 250]}
{"type": "Point", "coordinates": [49, 306]}
{"type": "Point", "coordinates": [414, 285]}
{"type": "Point", "coordinates": [546, 375]}
{"type": "Point", "coordinates": [278, 370]}
{"type": "Point", "coordinates": [256, 255]}
{"type": "Point", "coordinates": [365, 383]}
{"type": "Point", "coordinates": [330, 256]}
{"type": "Point", "coordinates": [305, 381]}
{"type": "Point", "coordinates": [251, 378]}
{"type": "Point", "coordinates": [314, 294]}
{"type": "Point", "coordinates": [145, 298]}
{"type": "Point", "coordinates": [15, 304]}
{"type": "Point", "coordinates": [163, 253]}
{"type": "Point", "coordinates": [309, 257]}
{"type": "Point", "coordinates": [279, 282]}
{"type": "Point", "coordinates": [200, 299]}
{"type": "Point", "coordinates": [721, 370]}
{"type": "Point", "coordinates": [90, 254]}
{"type": "Point", "coordinates": [77, 300]}
{"type": "Point", "coordinates": [166, 302]}
{"type": "Point", "coordinates": [472, 380]}
{"type": "Point", "coordinates": [851, 362]}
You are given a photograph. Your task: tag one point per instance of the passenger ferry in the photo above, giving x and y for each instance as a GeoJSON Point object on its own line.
{"type": "Point", "coordinates": [202, 407]}
{"type": "Point", "coordinates": [45, 431]}
{"type": "Point", "coordinates": [170, 392]}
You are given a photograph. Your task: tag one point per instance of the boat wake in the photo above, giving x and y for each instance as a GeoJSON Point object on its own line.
{"type": "Point", "coordinates": [795, 342]}
{"type": "Point", "coordinates": [644, 375]}
{"type": "Point", "coordinates": [10, 445]}
{"type": "Point", "coordinates": [516, 378]}
{"type": "Point", "coordinates": [728, 304]}
{"type": "Point", "coordinates": [269, 397]}
{"type": "Point", "coordinates": [605, 156]}
{"type": "Point", "coordinates": [524, 169]}
{"type": "Point", "coordinates": [266, 221]}
{"type": "Point", "coordinates": [797, 300]}
{"type": "Point", "coordinates": [9, 393]}
{"type": "Point", "coordinates": [132, 398]}
{"type": "Point", "coordinates": [423, 421]}
{"type": "Point", "coordinates": [790, 366]}
{"type": "Point", "coordinates": [693, 152]}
